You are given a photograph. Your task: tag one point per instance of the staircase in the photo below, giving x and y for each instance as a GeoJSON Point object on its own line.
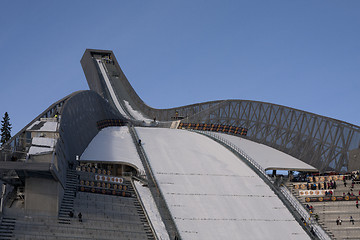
{"type": "Point", "coordinates": [144, 221]}
{"type": "Point", "coordinates": [301, 199]}
{"type": "Point", "coordinates": [7, 227]}
{"type": "Point", "coordinates": [67, 203]}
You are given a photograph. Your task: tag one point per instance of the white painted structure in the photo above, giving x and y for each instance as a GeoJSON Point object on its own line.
{"type": "Point", "coordinates": [44, 126]}
{"type": "Point", "coordinates": [112, 145]}
{"type": "Point", "coordinates": [268, 158]}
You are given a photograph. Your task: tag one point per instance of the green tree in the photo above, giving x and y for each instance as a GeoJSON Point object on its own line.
{"type": "Point", "coordinates": [5, 129]}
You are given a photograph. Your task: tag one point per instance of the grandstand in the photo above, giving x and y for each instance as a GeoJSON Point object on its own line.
{"type": "Point", "coordinates": [101, 164]}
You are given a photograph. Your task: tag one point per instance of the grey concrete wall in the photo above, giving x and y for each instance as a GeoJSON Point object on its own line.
{"type": "Point", "coordinates": [78, 124]}
{"type": "Point", "coordinates": [42, 196]}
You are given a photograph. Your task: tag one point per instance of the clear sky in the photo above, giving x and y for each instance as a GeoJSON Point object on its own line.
{"type": "Point", "coordinates": [303, 54]}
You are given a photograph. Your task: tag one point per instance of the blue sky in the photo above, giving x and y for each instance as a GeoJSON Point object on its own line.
{"type": "Point", "coordinates": [302, 54]}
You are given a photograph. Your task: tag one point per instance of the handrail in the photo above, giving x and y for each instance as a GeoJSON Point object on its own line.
{"type": "Point", "coordinates": [55, 105]}
{"type": "Point", "coordinates": [144, 209]}
{"type": "Point", "coordinates": [237, 149]}
{"type": "Point", "coordinates": [149, 170]}
{"type": "Point", "coordinates": [320, 233]}
{"type": "Point", "coordinates": [143, 154]}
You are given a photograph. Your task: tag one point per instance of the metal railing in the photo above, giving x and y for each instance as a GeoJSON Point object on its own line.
{"type": "Point", "coordinates": [144, 210]}
{"type": "Point", "coordinates": [237, 149]}
{"type": "Point", "coordinates": [156, 192]}
{"type": "Point", "coordinates": [320, 233]}
{"type": "Point", "coordinates": [306, 217]}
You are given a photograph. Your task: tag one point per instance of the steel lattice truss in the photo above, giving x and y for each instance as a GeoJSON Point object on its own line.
{"type": "Point", "coordinates": [320, 141]}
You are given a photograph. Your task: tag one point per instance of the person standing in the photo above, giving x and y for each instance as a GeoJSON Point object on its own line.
{"type": "Point", "coordinates": [352, 220]}
{"type": "Point", "coordinates": [338, 221]}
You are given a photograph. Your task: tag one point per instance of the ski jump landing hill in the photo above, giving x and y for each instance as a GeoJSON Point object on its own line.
{"type": "Point", "coordinates": [202, 189]}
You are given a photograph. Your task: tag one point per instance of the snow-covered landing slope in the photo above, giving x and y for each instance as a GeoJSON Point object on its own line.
{"type": "Point", "coordinates": [211, 193]}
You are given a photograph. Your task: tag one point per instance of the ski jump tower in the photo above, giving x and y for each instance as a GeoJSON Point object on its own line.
{"type": "Point", "coordinates": [38, 156]}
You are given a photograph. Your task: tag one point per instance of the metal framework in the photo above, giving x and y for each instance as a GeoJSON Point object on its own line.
{"type": "Point", "coordinates": [325, 143]}
{"type": "Point", "coordinates": [320, 141]}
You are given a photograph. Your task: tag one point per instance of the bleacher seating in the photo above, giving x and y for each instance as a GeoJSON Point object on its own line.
{"type": "Point", "coordinates": [103, 216]}
{"type": "Point", "coordinates": [329, 208]}
{"type": "Point", "coordinates": [214, 128]}
{"type": "Point", "coordinates": [94, 180]}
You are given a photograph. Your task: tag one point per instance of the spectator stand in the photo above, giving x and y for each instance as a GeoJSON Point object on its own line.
{"type": "Point", "coordinates": [96, 180]}
{"type": "Point", "coordinates": [341, 201]}
{"type": "Point", "coordinates": [214, 128]}
{"type": "Point", "coordinates": [326, 188]}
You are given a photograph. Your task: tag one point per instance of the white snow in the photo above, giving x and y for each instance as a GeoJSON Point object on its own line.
{"type": "Point", "coordinates": [267, 157]}
{"type": "Point", "coordinates": [212, 194]}
{"type": "Point", "coordinates": [43, 141]}
{"type": "Point", "coordinates": [47, 127]}
{"type": "Point", "coordinates": [135, 114]}
{"type": "Point", "coordinates": [41, 145]}
{"type": "Point", "coordinates": [113, 144]}
{"type": "Point", "coordinates": [34, 150]}
{"type": "Point", "coordinates": [152, 211]}
{"type": "Point", "coordinates": [110, 88]}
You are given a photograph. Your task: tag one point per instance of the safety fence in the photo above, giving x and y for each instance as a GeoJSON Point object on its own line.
{"type": "Point", "coordinates": [104, 188]}
{"type": "Point", "coordinates": [103, 185]}
{"type": "Point", "coordinates": [325, 178]}
{"type": "Point", "coordinates": [94, 170]}
{"type": "Point", "coordinates": [109, 123]}
{"type": "Point", "coordinates": [314, 186]}
{"type": "Point", "coordinates": [332, 198]}
{"type": "Point", "coordinates": [108, 178]}
{"type": "Point", "coordinates": [316, 193]}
